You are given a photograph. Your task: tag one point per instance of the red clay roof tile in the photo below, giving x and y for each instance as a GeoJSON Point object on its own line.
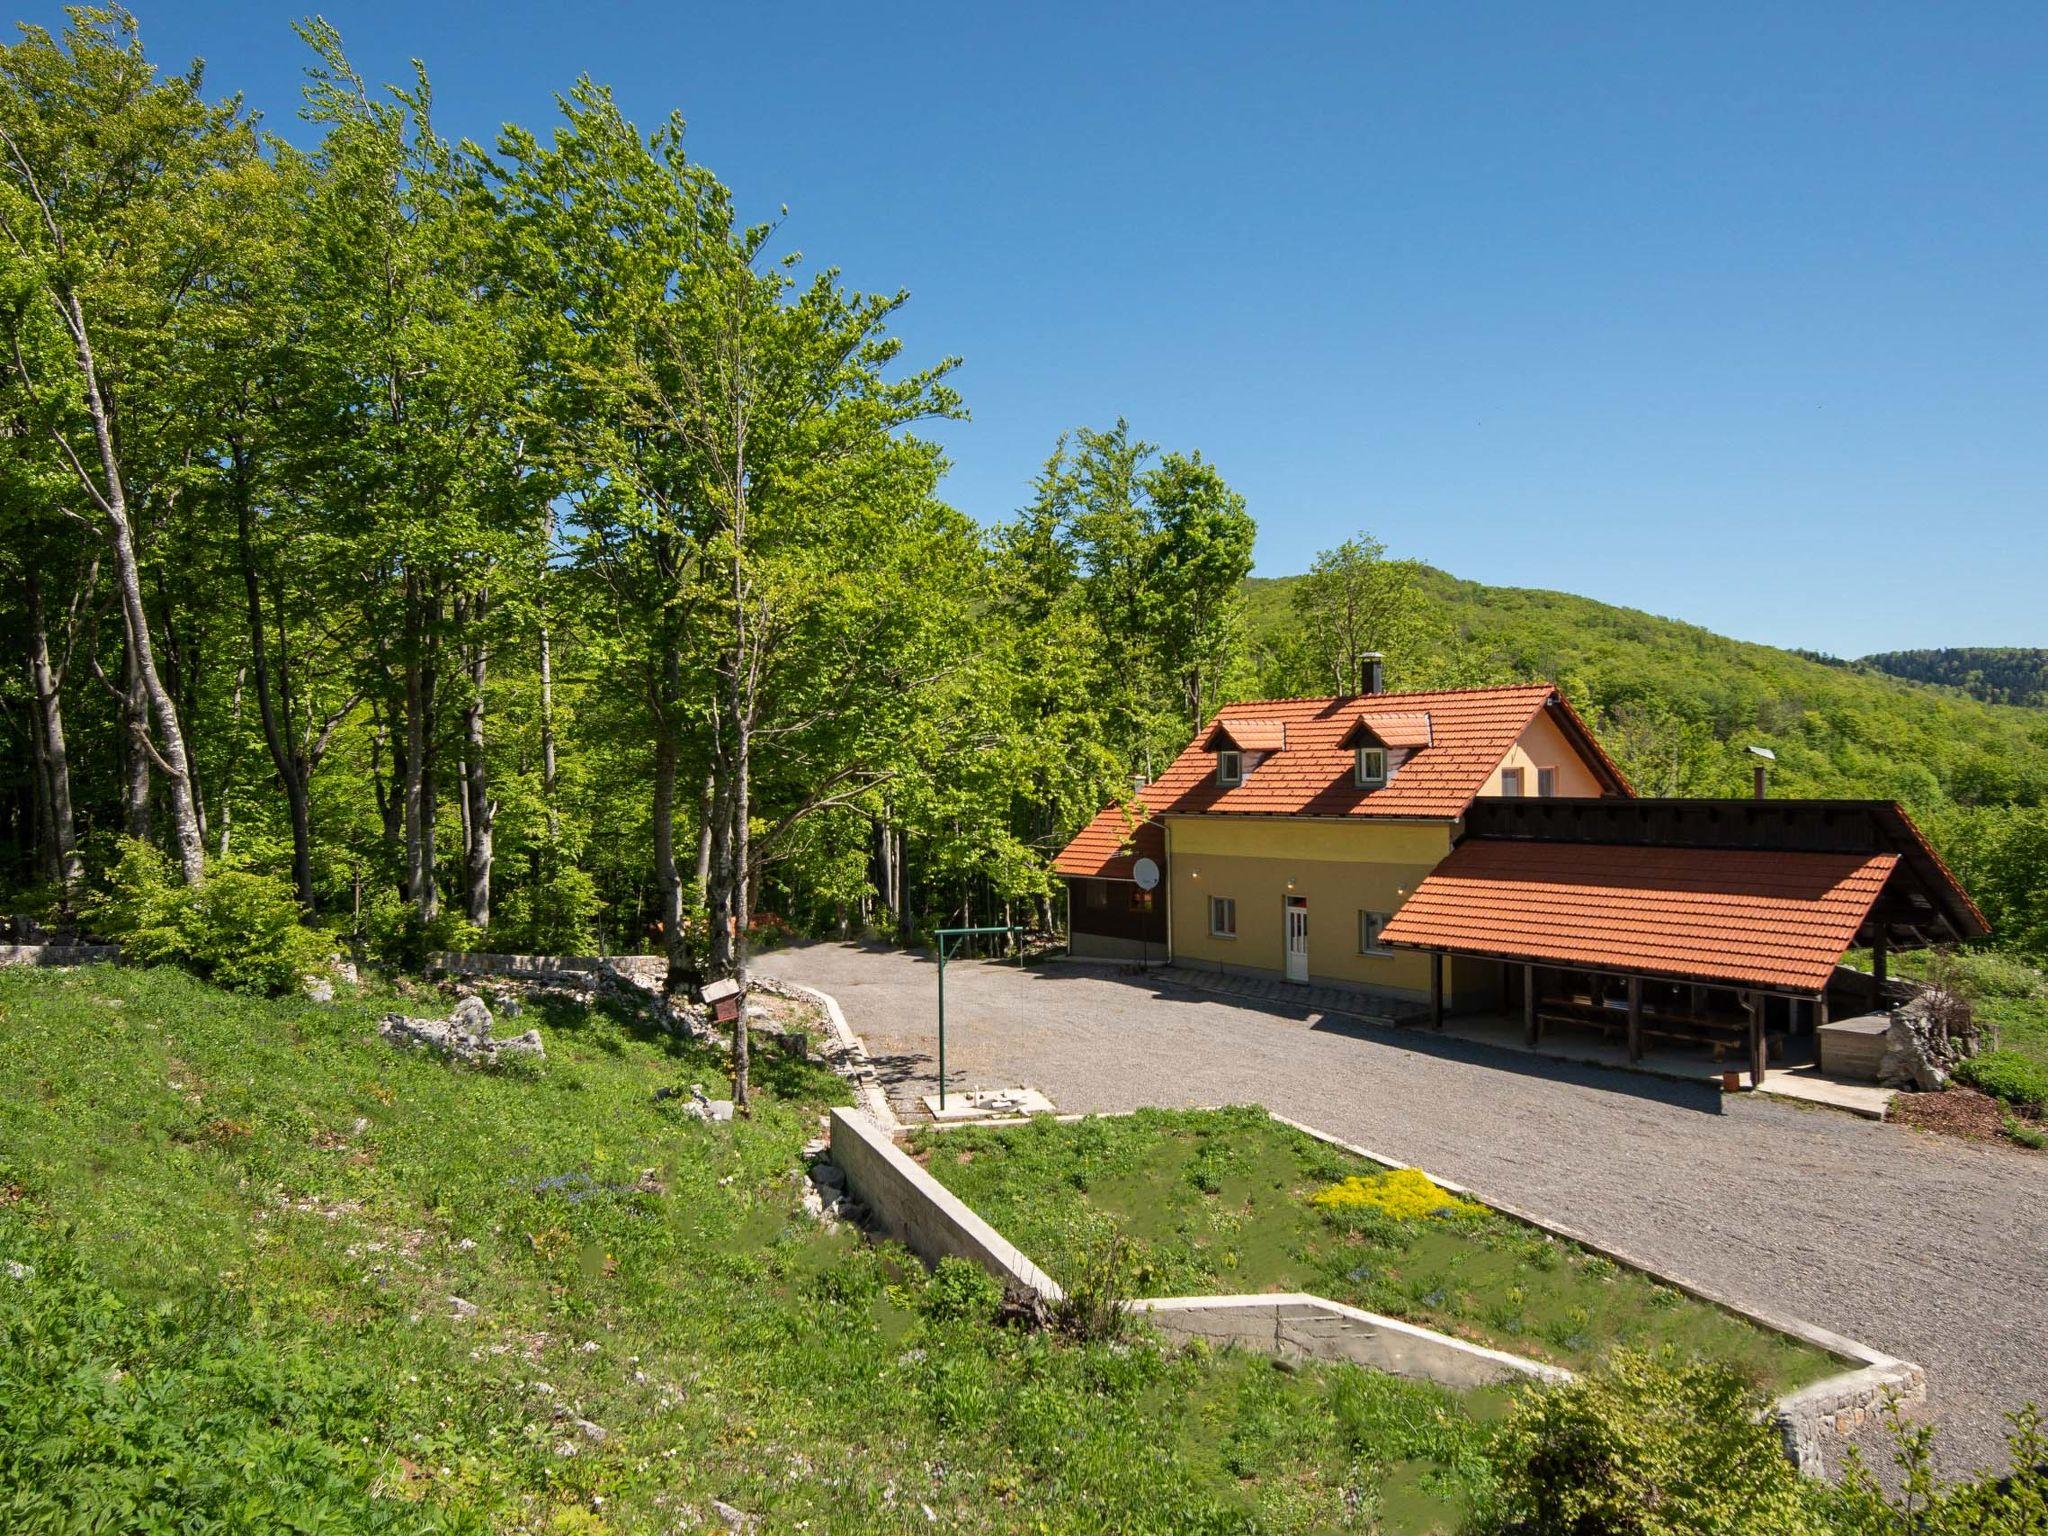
{"type": "Point", "coordinates": [1109, 846]}
{"type": "Point", "coordinates": [1248, 735]}
{"type": "Point", "coordinates": [1735, 916]}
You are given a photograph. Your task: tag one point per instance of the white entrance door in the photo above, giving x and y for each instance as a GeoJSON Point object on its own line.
{"type": "Point", "coordinates": [1297, 938]}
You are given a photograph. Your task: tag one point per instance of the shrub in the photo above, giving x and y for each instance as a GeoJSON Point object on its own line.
{"type": "Point", "coordinates": [960, 1291]}
{"type": "Point", "coordinates": [1989, 1504]}
{"type": "Point", "coordinates": [2019, 1080]}
{"type": "Point", "coordinates": [238, 930]}
{"type": "Point", "coordinates": [1992, 973]}
{"type": "Point", "coordinates": [1092, 1308]}
{"type": "Point", "coordinates": [1406, 1194]}
{"type": "Point", "coordinates": [395, 934]}
{"type": "Point", "coordinates": [2026, 1135]}
{"type": "Point", "coordinates": [1648, 1445]}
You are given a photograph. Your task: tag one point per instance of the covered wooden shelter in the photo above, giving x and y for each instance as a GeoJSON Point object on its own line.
{"type": "Point", "coordinates": [1693, 920]}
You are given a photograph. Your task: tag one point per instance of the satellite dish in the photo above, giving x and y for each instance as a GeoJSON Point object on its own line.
{"type": "Point", "coordinates": [1146, 873]}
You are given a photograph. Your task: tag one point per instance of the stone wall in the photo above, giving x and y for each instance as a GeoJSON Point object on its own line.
{"type": "Point", "coordinates": [59, 954]}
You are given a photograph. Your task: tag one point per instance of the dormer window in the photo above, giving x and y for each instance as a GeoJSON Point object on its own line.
{"type": "Point", "coordinates": [1370, 770]}
{"type": "Point", "coordinates": [1229, 767]}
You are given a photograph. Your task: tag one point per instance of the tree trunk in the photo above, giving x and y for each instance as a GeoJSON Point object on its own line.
{"type": "Point", "coordinates": [420, 613]}
{"type": "Point", "coordinates": [227, 807]}
{"type": "Point", "coordinates": [134, 740]}
{"type": "Point", "coordinates": [728, 886]}
{"type": "Point", "coordinates": [65, 866]}
{"type": "Point", "coordinates": [481, 812]}
{"type": "Point", "coordinates": [113, 501]}
{"type": "Point", "coordinates": [292, 770]}
{"type": "Point", "coordinates": [705, 805]}
{"type": "Point", "coordinates": [547, 734]}
{"type": "Point", "coordinates": [667, 878]}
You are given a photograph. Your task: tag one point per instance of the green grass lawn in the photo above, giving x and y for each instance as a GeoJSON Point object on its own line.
{"type": "Point", "coordinates": [234, 1235]}
{"type": "Point", "coordinates": [1218, 1201]}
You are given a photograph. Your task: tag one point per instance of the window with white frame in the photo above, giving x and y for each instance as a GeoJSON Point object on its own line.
{"type": "Point", "coordinates": [1223, 917]}
{"type": "Point", "coordinates": [1511, 783]}
{"type": "Point", "coordinates": [1371, 769]}
{"type": "Point", "coordinates": [1229, 767]}
{"type": "Point", "coordinates": [1546, 782]}
{"type": "Point", "coordinates": [1369, 926]}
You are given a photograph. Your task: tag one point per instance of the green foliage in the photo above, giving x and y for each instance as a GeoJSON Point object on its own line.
{"type": "Point", "coordinates": [2019, 1080]}
{"type": "Point", "coordinates": [1647, 1446]}
{"type": "Point", "coordinates": [2029, 1136]}
{"type": "Point", "coordinates": [395, 934]}
{"type": "Point", "coordinates": [1989, 1503]}
{"type": "Point", "coordinates": [238, 930]}
{"type": "Point", "coordinates": [962, 1292]}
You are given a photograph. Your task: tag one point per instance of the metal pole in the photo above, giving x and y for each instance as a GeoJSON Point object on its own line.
{"type": "Point", "coordinates": [942, 1024]}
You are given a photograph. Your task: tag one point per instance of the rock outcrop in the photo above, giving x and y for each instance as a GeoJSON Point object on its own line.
{"type": "Point", "coordinates": [1930, 1036]}
{"type": "Point", "coordinates": [465, 1034]}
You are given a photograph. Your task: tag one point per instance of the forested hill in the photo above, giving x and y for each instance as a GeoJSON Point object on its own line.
{"type": "Point", "coordinates": [1999, 674]}
{"type": "Point", "coordinates": [1678, 702]}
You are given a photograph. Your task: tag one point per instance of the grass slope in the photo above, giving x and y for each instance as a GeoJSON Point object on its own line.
{"type": "Point", "coordinates": [239, 1242]}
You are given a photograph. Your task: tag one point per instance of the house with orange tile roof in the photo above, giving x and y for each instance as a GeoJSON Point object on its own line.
{"type": "Point", "coordinates": [1476, 850]}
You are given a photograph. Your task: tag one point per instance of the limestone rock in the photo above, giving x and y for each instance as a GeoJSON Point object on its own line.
{"type": "Point", "coordinates": [1924, 1044]}
{"type": "Point", "coordinates": [464, 1034]}
{"type": "Point", "coordinates": [317, 989]}
{"type": "Point", "coordinates": [473, 1017]}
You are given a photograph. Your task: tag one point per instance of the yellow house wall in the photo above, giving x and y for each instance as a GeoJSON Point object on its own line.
{"type": "Point", "coordinates": [1543, 745]}
{"type": "Point", "coordinates": [1342, 867]}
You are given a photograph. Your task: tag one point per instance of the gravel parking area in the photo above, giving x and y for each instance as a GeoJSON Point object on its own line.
{"type": "Point", "coordinates": [1933, 1249]}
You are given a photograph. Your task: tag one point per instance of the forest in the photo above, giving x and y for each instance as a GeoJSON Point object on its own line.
{"type": "Point", "coordinates": [517, 546]}
{"type": "Point", "coordinates": [1998, 674]}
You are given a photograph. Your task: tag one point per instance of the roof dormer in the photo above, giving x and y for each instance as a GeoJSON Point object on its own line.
{"type": "Point", "coordinates": [1241, 745]}
{"type": "Point", "coordinates": [1380, 743]}
{"type": "Point", "coordinates": [1247, 735]}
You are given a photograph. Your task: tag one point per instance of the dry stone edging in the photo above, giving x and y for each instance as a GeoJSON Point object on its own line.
{"type": "Point", "coordinates": [59, 954]}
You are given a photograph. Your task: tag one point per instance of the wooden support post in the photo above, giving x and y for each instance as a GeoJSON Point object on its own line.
{"type": "Point", "coordinates": [1530, 1032]}
{"type": "Point", "coordinates": [1756, 1040]}
{"type": "Point", "coordinates": [1436, 989]}
{"type": "Point", "coordinates": [1878, 958]}
{"type": "Point", "coordinates": [1635, 1019]}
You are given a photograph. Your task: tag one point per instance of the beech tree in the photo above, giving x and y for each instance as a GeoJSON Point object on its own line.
{"type": "Point", "coordinates": [102, 164]}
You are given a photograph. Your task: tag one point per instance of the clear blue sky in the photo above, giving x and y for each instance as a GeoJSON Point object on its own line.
{"type": "Point", "coordinates": [1730, 312]}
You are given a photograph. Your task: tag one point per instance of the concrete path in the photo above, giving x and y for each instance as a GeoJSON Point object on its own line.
{"type": "Point", "coordinates": [1933, 1249]}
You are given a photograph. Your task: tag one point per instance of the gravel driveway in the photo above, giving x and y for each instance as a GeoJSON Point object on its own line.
{"type": "Point", "coordinates": [1930, 1248]}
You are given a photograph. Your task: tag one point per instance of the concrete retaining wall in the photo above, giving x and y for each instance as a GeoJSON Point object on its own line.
{"type": "Point", "coordinates": [914, 1208]}
{"type": "Point", "coordinates": [1295, 1326]}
